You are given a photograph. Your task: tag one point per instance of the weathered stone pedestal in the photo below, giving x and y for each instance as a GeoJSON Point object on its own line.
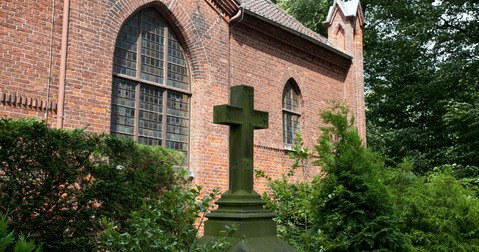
{"type": "Point", "coordinates": [255, 228]}
{"type": "Point", "coordinates": [241, 205]}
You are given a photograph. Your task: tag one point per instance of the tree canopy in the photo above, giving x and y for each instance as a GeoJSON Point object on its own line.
{"type": "Point", "coordinates": [310, 13]}
{"type": "Point", "coordinates": [421, 60]}
{"type": "Point", "coordinates": [421, 65]}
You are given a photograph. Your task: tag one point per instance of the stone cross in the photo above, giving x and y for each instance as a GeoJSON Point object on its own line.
{"type": "Point", "coordinates": [243, 119]}
{"type": "Point", "coordinates": [241, 205]}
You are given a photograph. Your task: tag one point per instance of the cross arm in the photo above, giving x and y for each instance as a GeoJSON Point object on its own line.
{"type": "Point", "coordinates": [259, 119]}
{"type": "Point", "coordinates": [227, 115]}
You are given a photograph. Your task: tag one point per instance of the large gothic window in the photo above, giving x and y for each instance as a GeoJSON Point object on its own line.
{"type": "Point", "coordinates": [291, 114]}
{"type": "Point", "coordinates": [151, 85]}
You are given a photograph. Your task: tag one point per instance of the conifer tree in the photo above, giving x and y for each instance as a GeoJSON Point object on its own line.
{"type": "Point", "coordinates": [353, 211]}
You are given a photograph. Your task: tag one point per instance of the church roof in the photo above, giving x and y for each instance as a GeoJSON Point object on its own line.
{"type": "Point", "coordinates": [266, 9]}
{"type": "Point", "coordinates": [229, 7]}
{"type": "Point", "coordinates": [269, 12]}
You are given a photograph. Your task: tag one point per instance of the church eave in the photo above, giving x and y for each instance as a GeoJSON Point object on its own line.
{"type": "Point", "coordinates": [227, 8]}
{"type": "Point", "coordinates": [301, 35]}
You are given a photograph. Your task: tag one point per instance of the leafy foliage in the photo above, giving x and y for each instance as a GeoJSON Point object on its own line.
{"type": "Point", "coordinates": [311, 13]}
{"type": "Point", "coordinates": [7, 239]}
{"type": "Point", "coordinates": [166, 224]}
{"type": "Point", "coordinates": [421, 65]}
{"type": "Point", "coordinates": [291, 202]}
{"type": "Point", "coordinates": [462, 121]}
{"type": "Point", "coordinates": [359, 204]}
{"type": "Point", "coordinates": [439, 212]}
{"type": "Point", "coordinates": [59, 184]}
{"type": "Point", "coordinates": [345, 209]}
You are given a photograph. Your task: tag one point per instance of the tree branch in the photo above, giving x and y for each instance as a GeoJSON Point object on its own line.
{"type": "Point", "coordinates": [447, 24]}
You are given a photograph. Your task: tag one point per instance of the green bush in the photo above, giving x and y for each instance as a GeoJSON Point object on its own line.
{"type": "Point", "coordinates": [7, 239]}
{"type": "Point", "coordinates": [167, 224]}
{"type": "Point", "coordinates": [346, 208]}
{"type": "Point", "coordinates": [361, 205]}
{"type": "Point", "coordinates": [59, 184]}
{"type": "Point", "coordinates": [352, 208]}
{"type": "Point", "coordinates": [438, 212]}
{"type": "Point", "coordinates": [291, 202]}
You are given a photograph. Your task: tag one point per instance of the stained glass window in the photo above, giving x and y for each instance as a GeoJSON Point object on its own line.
{"type": "Point", "coordinates": [291, 114]}
{"type": "Point", "coordinates": [150, 97]}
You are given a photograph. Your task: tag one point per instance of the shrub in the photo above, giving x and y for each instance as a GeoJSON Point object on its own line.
{"type": "Point", "coordinates": [291, 202]}
{"type": "Point", "coordinates": [361, 205]}
{"type": "Point", "coordinates": [7, 239]}
{"type": "Point", "coordinates": [438, 212]}
{"type": "Point", "coordinates": [346, 208]}
{"type": "Point", "coordinates": [166, 224]}
{"type": "Point", "coordinates": [59, 184]}
{"type": "Point", "coordinates": [353, 209]}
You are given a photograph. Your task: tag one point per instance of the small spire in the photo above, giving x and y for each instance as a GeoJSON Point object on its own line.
{"type": "Point", "coordinates": [350, 9]}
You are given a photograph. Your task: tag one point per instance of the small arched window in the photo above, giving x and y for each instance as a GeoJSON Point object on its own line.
{"type": "Point", "coordinates": [291, 114]}
{"type": "Point", "coordinates": [340, 38]}
{"type": "Point", "coordinates": [151, 84]}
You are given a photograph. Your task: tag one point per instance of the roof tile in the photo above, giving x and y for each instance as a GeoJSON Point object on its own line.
{"type": "Point", "coordinates": [270, 11]}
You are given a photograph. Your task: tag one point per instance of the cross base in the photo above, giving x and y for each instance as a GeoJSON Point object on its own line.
{"type": "Point", "coordinates": [248, 227]}
{"type": "Point", "coordinates": [252, 234]}
{"type": "Point", "coordinates": [258, 244]}
{"type": "Point", "coordinates": [243, 209]}
{"type": "Point", "coordinates": [255, 228]}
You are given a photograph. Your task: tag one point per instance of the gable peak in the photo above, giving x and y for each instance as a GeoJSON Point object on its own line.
{"type": "Point", "coordinates": [350, 9]}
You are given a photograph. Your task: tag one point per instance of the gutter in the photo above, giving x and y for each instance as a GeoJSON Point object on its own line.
{"type": "Point", "coordinates": [238, 17]}
{"type": "Point", "coordinates": [299, 34]}
{"type": "Point", "coordinates": [63, 63]}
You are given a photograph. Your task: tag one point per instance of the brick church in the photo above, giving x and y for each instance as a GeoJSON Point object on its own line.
{"type": "Point", "coordinates": [153, 70]}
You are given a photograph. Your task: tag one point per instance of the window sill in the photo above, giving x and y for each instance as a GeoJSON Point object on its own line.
{"type": "Point", "coordinates": [288, 148]}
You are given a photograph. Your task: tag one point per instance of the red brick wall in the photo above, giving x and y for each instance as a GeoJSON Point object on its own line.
{"type": "Point", "coordinates": [263, 61]}
{"type": "Point", "coordinates": [251, 53]}
{"type": "Point", "coordinates": [25, 44]}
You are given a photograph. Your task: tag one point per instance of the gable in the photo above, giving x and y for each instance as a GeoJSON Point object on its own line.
{"type": "Point", "coordinates": [349, 9]}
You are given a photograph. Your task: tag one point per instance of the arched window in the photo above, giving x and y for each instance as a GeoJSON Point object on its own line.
{"type": "Point", "coordinates": [291, 113]}
{"type": "Point", "coordinates": [340, 38]}
{"type": "Point", "coordinates": [151, 84]}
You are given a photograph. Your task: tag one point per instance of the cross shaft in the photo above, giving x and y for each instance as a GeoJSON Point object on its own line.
{"type": "Point", "coordinates": [243, 119]}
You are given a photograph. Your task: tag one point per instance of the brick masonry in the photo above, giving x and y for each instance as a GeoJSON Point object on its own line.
{"type": "Point", "coordinates": [251, 52]}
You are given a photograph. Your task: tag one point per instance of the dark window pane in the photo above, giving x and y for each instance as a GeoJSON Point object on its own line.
{"type": "Point", "coordinates": [124, 61]}
{"type": "Point", "coordinates": [152, 47]}
{"type": "Point", "coordinates": [290, 98]}
{"type": "Point", "coordinates": [123, 106]}
{"type": "Point", "coordinates": [177, 104]}
{"type": "Point", "coordinates": [149, 141]}
{"type": "Point", "coordinates": [151, 109]}
{"type": "Point", "coordinates": [291, 125]}
{"type": "Point", "coordinates": [177, 120]}
{"type": "Point", "coordinates": [177, 70]}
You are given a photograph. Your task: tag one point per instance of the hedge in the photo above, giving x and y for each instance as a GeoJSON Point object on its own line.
{"type": "Point", "coordinates": [57, 185]}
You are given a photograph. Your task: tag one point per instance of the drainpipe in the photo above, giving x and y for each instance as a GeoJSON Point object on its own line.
{"type": "Point", "coordinates": [50, 63]}
{"type": "Point", "coordinates": [63, 63]}
{"type": "Point", "coordinates": [238, 17]}
{"type": "Point", "coordinates": [233, 21]}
